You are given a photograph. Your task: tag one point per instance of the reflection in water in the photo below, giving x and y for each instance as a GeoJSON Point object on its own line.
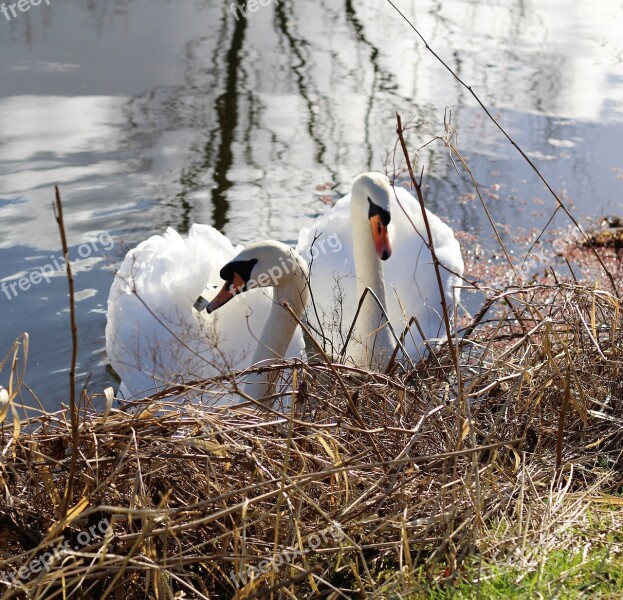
{"type": "Point", "coordinates": [205, 118]}
{"type": "Point", "coordinates": [219, 161]}
{"type": "Point", "coordinates": [313, 99]}
{"type": "Point", "coordinates": [227, 111]}
{"type": "Point", "coordinates": [374, 55]}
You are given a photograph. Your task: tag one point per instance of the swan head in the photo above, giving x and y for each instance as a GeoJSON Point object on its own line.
{"type": "Point", "coordinates": [264, 264]}
{"type": "Point", "coordinates": [370, 198]}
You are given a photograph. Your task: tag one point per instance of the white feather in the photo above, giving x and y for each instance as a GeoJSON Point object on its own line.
{"type": "Point", "coordinates": [409, 275]}
{"type": "Point", "coordinates": [153, 334]}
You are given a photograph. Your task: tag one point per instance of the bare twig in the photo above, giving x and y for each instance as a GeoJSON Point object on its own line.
{"type": "Point", "coordinates": [559, 202]}
{"type": "Point", "coordinates": [58, 214]}
{"type": "Point", "coordinates": [429, 241]}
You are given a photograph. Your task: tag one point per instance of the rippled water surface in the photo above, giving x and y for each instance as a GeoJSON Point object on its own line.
{"type": "Point", "coordinates": [150, 113]}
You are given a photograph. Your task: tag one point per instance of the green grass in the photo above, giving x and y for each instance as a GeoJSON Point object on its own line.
{"type": "Point", "coordinates": [587, 564]}
{"type": "Point", "coordinates": [563, 574]}
{"type": "Point", "coordinates": [575, 561]}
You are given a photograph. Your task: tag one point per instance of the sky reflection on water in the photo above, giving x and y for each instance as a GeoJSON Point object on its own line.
{"type": "Point", "coordinates": [151, 113]}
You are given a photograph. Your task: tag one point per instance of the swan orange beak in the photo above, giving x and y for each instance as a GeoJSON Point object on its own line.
{"type": "Point", "coordinates": [228, 291]}
{"type": "Point", "coordinates": [381, 237]}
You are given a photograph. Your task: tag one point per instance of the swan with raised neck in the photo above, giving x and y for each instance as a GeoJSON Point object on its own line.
{"type": "Point", "coordinates": [370, 222]}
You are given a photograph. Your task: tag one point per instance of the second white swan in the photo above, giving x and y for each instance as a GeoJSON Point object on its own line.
{"type": "Point", "coordinates": [381, 232]}
{"type": "Point", "coordinates": [154, 336]}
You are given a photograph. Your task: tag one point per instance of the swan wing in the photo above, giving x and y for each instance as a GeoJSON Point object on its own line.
{"type": "Point", "coordinates": [327, 245]}
{"type": "Point", "coordinates": [411, 282]}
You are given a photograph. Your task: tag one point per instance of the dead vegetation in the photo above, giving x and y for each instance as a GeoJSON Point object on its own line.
{"type": "Point", "coordinates": [496, 449]}
{"type": "Point", "coordinates": [373, 484]}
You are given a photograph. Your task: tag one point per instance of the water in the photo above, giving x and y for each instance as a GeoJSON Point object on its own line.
{"type": "Point", "coordinates": [150, 113]}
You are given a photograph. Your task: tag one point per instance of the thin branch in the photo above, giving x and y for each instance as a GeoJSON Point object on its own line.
{"type": "Point", "coordinates": [58, 215]}
{"type": "Point", "coordinates": [515, 145]}
{"type": "Point", "coordinates": [430, 243]}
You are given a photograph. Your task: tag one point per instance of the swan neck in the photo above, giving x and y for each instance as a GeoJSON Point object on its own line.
{"type": "Point", "coordinates": [280, 326]}
{"type": "Point", "coordinates": [375, 340]}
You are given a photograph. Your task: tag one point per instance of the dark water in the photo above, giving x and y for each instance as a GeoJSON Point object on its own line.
{"type": "Point", "coordinates": [150, 113]}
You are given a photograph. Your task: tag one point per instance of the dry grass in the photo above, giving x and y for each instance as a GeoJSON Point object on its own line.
{"type": "Point", "coordinates": [373, 485]}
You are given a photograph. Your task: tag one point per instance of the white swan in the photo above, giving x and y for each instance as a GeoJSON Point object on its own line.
{"type": "Point", "coordinates": [380, 249]}
{"type": "Point", "coordinates": [155, 337]}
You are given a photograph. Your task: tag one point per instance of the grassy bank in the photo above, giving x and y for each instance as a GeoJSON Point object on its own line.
{"type": "Point", "coordinates": [501, 479]}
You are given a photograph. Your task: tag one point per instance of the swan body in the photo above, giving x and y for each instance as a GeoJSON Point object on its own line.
{"type": "Point", "coordinates": [350, 248]}
{"type": "Point", "coordinates": [154, 336]}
